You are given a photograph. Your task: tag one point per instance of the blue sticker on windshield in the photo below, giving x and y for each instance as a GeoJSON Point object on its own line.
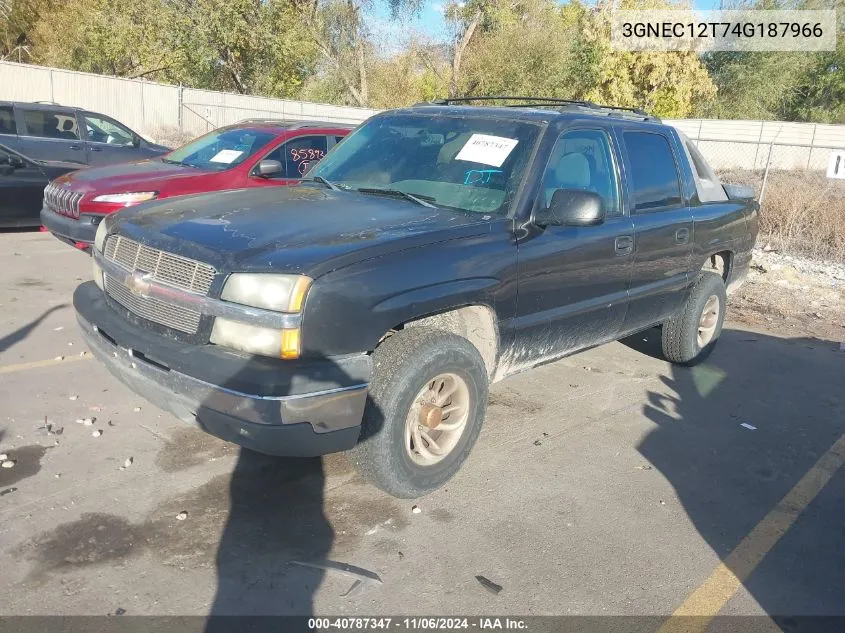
{"type": "Point", "coordinates": [480, 176]}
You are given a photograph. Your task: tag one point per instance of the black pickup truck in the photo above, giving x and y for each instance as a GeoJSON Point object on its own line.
{"type": "Point", "coordinates": [435, 250]}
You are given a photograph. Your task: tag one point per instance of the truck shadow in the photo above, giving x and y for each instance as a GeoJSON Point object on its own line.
{"type": "Point", "coordinates": [276, 519]}
{"type": "Point", "coordinates": [728, 477]}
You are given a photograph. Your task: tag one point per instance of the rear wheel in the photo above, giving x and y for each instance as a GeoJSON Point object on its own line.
{"type": "Point", "coordinates": [427, 401]}
{"type": "Point", "coordinates": [690, 336]}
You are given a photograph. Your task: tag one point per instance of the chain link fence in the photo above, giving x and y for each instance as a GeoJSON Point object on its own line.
{"type": "Point", "coordinates": [802, 210]}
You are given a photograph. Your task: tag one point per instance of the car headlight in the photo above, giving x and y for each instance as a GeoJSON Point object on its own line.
{"type": "Point", "coordinates": [127, 198]}
{"type": "Point", "coordinates": [281, 293]}
{"type": "Point", "coordinates": [256, 340]}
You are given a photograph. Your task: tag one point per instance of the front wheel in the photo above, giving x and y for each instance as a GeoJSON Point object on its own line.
{"type": "Point", "coordinates": [690, 336]}
{"type": "Point", "coordinates": [427, 401]}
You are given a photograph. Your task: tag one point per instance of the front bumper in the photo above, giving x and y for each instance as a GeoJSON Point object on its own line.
{"type": "Point", "coordinates": [71, 230]}
{"type": "Point", "coordinates": [293, 408]}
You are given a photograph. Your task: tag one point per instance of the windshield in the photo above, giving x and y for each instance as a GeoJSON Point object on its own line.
{"type": "Point", "coordinates": [221, 149]}
{"type": "Point", "coordinates": [468, 163]}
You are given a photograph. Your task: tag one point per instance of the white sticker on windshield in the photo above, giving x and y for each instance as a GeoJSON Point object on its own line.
{"type": "Point", "coordinates": [487, 150]}
{"type": "Point", "coordinates": [225, 156]}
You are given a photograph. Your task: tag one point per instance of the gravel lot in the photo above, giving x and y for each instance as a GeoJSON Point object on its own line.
{"type": "Point", "coordinates": [606, 483]}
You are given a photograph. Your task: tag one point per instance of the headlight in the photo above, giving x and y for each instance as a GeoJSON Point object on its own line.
{"type": "Point", "coordinates": [282, 293]}
{"type": "Point", "coordinates": [100, 235]}
{"type": "Point", "coordinates": [256, 340]}
{"type": "Point", "coordinates": [127, 198]}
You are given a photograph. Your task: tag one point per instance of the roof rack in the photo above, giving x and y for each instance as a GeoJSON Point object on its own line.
{"type": "Point", "coordinates": [549, 102]}
{"type": "Point", "coordinates": [296, 125]}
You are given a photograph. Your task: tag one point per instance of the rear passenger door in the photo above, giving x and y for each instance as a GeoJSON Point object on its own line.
{"type": "Point", "coordinates": [663, 226]}
{"type": "Point", "coordinates": [8, 127]}
{"type": "Point", "coordinates": [50, 134]}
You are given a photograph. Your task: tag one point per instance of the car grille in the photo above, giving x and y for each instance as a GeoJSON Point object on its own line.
{"type": "Point", "coordinates": [168, 269]}
{"type": "Point", "coordinates": [62, 200]}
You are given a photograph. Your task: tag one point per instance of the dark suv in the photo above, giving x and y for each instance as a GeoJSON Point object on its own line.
{"type": "Point", "coordinates": [59, 133]}
{"type": "Point", "coordinates": [435, 250]}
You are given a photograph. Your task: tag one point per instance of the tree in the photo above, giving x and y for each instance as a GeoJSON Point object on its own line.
{"type": "Point", "coordinates": [523, 49]}
{"type": "Point", "coordinates": [669, 84]}
{"type": "Point", "coordinates": [17, 21]}
{"type": "Point", "coordinates": [245, 46]}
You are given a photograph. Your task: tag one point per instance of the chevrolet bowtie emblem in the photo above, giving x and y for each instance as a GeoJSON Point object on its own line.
{"type": "Point", "coordinates": [139, 284]}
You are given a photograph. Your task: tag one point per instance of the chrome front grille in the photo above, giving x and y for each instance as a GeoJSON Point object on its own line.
{"type": "Point", "coordinates": [166, 268]}
{"type": "Point", "coordinates": [62, 200]}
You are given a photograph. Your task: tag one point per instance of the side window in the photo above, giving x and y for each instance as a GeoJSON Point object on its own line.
{"type": "Point", "coordinates": [298, 154]}
{"type": "Point", "coordinates": [7, 120]}
{"type": "Point", "coordinates": [583, 159]}
{"type": "Point", "coordinates": [707, 184]}
{"type": "Point", "coordinates": [102, 130]}
{"type": "Point", "coordinates": [654, 176]}
{"type": "Point", "coordinates": [51, 124]}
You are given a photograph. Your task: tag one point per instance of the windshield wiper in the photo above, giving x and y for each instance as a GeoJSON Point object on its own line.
{"type": "Point", "coordinates": [323, 181]}
{"type": "Point", "coordinates": [170, 161]}
{"type": "Point", "coordinates": [397, 193]}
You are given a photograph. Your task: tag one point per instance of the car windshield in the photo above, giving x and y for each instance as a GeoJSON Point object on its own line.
{"type": "Point", "coordinates": [221, 149]}
{"type": "Point", "coordinates": [469, 163]}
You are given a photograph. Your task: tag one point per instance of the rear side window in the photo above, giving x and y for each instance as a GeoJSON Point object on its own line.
{"type": "Point", "coordinates": [706, 182]}
{"type": "Point", "coordinates": [654, 176]}
{"type": "Point", "coordinates": [51, 124]}
{"type": "Point", "coordinates": [7, 120]}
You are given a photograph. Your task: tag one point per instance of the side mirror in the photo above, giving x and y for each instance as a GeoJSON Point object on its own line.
{"type": "Point", "coordinates": [267, 168]}
{"type": "Point", "coordinates": [16, 162]}
{"type": "Point", "coordinates": [572, 207]}
{"type": "Point", "coordinates": [136, 140]}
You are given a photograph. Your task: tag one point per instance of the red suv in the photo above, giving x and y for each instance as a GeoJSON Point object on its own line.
{"type": "Point", "coordinates": [254, 153]}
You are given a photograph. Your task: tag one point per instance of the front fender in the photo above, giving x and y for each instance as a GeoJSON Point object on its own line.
{"type": "Point", "coordinates": [349, 310]}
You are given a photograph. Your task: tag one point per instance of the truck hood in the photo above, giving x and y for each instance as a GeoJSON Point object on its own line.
{"type": "Point", "coordinates": [142, 175]}
{"type": "Point", "coordinates": [303, 229]}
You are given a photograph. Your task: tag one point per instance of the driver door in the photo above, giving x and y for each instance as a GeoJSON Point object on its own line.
{"type": "Point", "coordinates": [21, 191]}
{"type": "Point", "coordinates": [108, 142]}
{"type": "Point", "coordinates": [573, 280]}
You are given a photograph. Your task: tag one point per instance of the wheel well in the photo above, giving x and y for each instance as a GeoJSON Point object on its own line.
{"type": "Point", "coordinates": [719, 263]}
{"type": "Point", "coordinates": [475, 323]}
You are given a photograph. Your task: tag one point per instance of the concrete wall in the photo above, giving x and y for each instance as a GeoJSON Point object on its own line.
{"type": "Point", "coordinates": [151, 108]}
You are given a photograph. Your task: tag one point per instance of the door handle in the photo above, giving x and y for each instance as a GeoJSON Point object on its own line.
{"type": "Point", "coordinates": [75, 147]}
{"type": "Point", "coordinates": [624, 244]}
{"type": "Point", "coordinates": [96, 149]}
{"type": "Point", "coordinates": [682, 236]}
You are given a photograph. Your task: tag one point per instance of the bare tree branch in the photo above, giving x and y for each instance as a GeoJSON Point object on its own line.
{"type": "Point", "coordinates": [460, 46]}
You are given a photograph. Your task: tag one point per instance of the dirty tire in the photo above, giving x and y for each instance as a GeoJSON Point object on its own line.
{"type": "Point", "coordinates": [681, 333]}
{"type": "Point", "coordinates": [402, 365]}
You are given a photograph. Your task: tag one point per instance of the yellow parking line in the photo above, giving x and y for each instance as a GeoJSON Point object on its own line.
{"type": "Point", "coordinates": [709, 598]}
{"type": "Point", "coordinates": [9, 369]}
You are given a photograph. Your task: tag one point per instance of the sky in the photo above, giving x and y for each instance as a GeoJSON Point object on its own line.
{"type": "Point", "coordinates": [430, 23]}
